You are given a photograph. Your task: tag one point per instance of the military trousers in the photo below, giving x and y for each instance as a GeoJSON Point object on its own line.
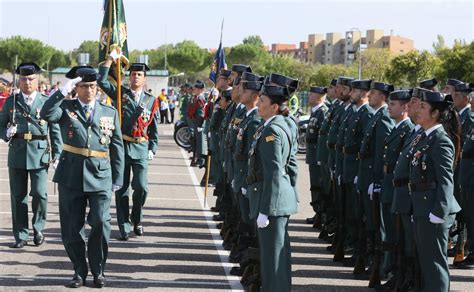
{"type": "Point", "coordinates": [275, 255]}
{"type": "Point", "coordinates": [139, 184]}
{"type": "Point", "coordinates": [432, 248]}
{"type": "Point", "coordinates": [468, 205]}
{"type": "Point", "coordinates": [19, 200]}
{"type": "Point", "coordinates": [72, 215]}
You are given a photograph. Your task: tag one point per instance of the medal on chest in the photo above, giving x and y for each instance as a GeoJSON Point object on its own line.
{"type": "Point", "coordinates": [106, 125]}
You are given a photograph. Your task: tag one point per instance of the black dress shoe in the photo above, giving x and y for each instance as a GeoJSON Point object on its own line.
{"type": "Point", "coordinates": [218, 217]}
{"type": "Point", "coordinates": [38, 238]}
{"type": "Point", "coordinates": [467, 263]}
{"type": "Point", "coordinates": [19, 244]}
{"type": "Point", "coordinates": [99, 281]}
{"type": "Point", "coordinates": [124, 236]}
{"type": "Point", "coordinates": [138, 229]}
{"type": "Point", "coordinates": [76, 282]}
{"type": "Point", "coordinates": [310, 220]}
{"type": "Point", "coordinates": [215, 209]}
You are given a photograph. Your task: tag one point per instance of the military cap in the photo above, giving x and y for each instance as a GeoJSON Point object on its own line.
{"type": "Point", "coordinates": [227, 94]}
{"type": "Point", "coordinates": [138, 67]}
{"type": "Point", "coordinates": [284, 81]}
{"type": "Point", "coordinates": [199, 84]}
{"type": "Point", "coordinates": [418, 92]}
{"type": "Point", "coordinates": [251, 81]}
{"type": "Point", "coordinates": [239, 68]}
{"type": "Point", "coordinates": [453, 82]}
{"type": "Point", "coordinates": [428, 83]}
{"type": "Point", "coordinates": [333, 82]}
{"type": "Point", "coordinates": [28, 68]}
{"type": "Point", "coordinates": [344, 80]}
{"type": "Point", "coordinates": [437, 99]}
{"type": "Point", "coordinates": [380, 86]}
{"type": "Point", "coordinates": [225, 73]}
{"type": "Point", "coordinates": [403, 95]}
{"type": "Point", "coordinates": [318, 89]}
{"type": "Point", "coordinates": [87, 73]}
{"type": "Point", "coordinates": [463, 87]}
{"type": "Point", "coordinates": [277, 94]}
{"type": "Point", "coordinates": [188, 85]}
{"type": "Point", "coordinates": [363, 84]}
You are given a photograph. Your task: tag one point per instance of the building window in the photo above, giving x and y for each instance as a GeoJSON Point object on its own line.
{"type": "Point", "coordinates": [401, 51]}
{"type": "Point", "coordinates": [329, 45]}
{"type": "Point", "coordinates": [370, 42]}
{"type": "Point", "coordinates": [329, 59]}
{"type": "Point", "coordinates": [401, 43]}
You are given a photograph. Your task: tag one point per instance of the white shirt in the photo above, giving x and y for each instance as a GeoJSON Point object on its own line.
{"type": "Point", "coordinates": [29, 99]}
{"type": "Point", "coordinates": [430, 130]}
{"type": "Point", "coordinates": [268, 121]}
{"type": "Point", "coordinates": [377, 110]}
{"type": "Point", "coordinates": [417, 127]}
{"type": "Point", "coordinates": [399, 123]}
{"type": "Point", "coordinates": [464, 109]}
{"type": "Point", "coordinates": [250, 111]}
{"type": "Point", "coordinates": [90, 104]}
{"type": "Point", "coordinates": [239, 105]}
{"type": "Point", "coordinates": [316, 107]}
{"type": "Point", "coordinates": [358, 108]}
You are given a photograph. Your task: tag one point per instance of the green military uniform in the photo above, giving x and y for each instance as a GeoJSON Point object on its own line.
{"type": "Point", "coordinates": [352, 140]}
{"type": "Point", "coordinates": [466, 174]}
{"type": "Point", "coordinates": [91, 163]}
{"type": "Point", "coordinates": [318, 114]}
{"type": "Point", "coordinates": [370, 155]}
{"type": "Point", "coordinates": [140, 134]}
{"type": "Point", "coordinates": [28, 155]}
{"type": "Point", "coordinates": [393, 146]}
{"type": "Point", "coordinates": [431, 185]}
{"type": "Point", "coordinates": [270, 192]}
{"type": "Point", "coordinates": [183, 104]}
{"type": "Point", "coordinates": [214, 124]}
{"type": "Point", "coordinates": [196, 118]}
{"type": "Point", "coordinates": [322, 155]}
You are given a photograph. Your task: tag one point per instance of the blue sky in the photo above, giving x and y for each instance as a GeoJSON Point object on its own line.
{"type": "Point", "coordinates": [66, 23]}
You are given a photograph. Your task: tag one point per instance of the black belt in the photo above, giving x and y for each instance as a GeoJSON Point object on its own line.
{"type": "Point", "coordinates": [254, 178]}
{"type": "Point", "coordinates": [363, 155]}
{"type": "Point", "coordinates": [350, 149]}
{"type": "Point", "coordinates": [29, 136]}
{"type": "Point", "coordinates": [388, 169]}
{"type": "Point", "coordinates": [331, 146]}
{"type": "Point", "coordinates": [421, 186]}
{"type": "Point", "coordinates": [339, 147]}
{"type": "Point", "coordinates": [403, 182]}
{"type": "Point", "coordinates": [241, 157]}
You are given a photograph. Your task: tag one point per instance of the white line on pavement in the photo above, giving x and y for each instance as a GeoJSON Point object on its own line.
{"type": "Point", "coordinates": [234, 281]}
{"type": "Point", "coordinates": [118, 280]}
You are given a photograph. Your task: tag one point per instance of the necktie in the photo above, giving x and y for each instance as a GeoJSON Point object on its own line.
{"type": "Point", "coordinates": [87, 111]}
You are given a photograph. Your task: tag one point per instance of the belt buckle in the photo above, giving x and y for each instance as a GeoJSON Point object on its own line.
{"type": "Point", "coordinates": [28, 136]}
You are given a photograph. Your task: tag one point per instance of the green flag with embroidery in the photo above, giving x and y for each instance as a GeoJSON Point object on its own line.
{"type": "Point", "coordinates": [113, 33]}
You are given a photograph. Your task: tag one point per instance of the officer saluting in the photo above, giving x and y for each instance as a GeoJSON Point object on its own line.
{"type": "Point", "coordinates": [140, 135]}
{"type": "Point", "coordinates": [28, 153]}
{"type": "Point", "coordinates": [90, 168]}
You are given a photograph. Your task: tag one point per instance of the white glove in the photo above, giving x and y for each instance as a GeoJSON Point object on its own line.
{"type": "Point", "coordinates": [370, 191]}
{"type": "Point", "coordinates": [69, 86]}
{"type": "Point", "coordinates": [115, 188]}
{"type": "Point", "coordinates": [150, 155]}
{"type": "Point", "coordinates": [55, 163]}
{"type": "Point", "coordinates": [435, 219]}
{"type": "Point", "coordinates": [244, 191]}
{"type": "Point", "coordinates": [355, 179]}
{"type": "Point", "coordinates": [232, 183]}
{"type": "Point", "coordinates": [11, 131]}
{"type": "Point", "coordinates": [199, 129]}
{"type": "Point", "coordinates": [377, 189]}
{"type": "Point", "coordinates": [262, 220]}
{"type": "Point", "coordinates": [339, 180]}
{"type": "Point", "coordinates": [115, 55]}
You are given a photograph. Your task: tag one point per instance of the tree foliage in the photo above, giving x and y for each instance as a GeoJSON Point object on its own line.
{"type": "Point", "coordinates": [26, 49]}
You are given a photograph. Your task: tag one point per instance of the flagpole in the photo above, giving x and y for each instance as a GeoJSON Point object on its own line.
{"type": "Point", "coordinates": [119, 89]}
{"type": "Point", "coordinates": [222, 29]}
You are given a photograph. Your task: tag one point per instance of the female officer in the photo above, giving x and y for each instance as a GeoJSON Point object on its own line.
{"type": "Point", "coordinates": [272, 197]}
{"type": "Point", "coordinates": [431, 186]}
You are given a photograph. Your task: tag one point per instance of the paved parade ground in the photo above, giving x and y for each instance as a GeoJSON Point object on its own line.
{"type": "Point", "coordinates": [181, 249]}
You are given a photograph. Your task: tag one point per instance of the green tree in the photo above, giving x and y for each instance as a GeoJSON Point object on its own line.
{"type": "Point", "coordinates": [439, 44]}
{"type": "Point", "coordinates": [375, 63]}
{"type": "Point", "coordinates": [253, 40]}
{"type": "Point", "coordinates": [246, 54]}
{"type": "Point", "coordinates": [90, 47]}
{"type": "Point", "coordinates": [408, 69]}
{"type": "Point", "coordinates": [457, 62]}
{"type": "Point", "coordinates": [323, 74]}
{"type": "Point", "coordinates": [27, 50]}
{"type": "Point", "coordinates": [187, 56]}
{"type": "Point", "coordinates": [59, 59]}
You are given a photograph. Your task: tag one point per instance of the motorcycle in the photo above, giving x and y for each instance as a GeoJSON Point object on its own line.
{"type": "Point", "coordinates": [183, 135]}
{"type": "Point", "coordinates": [303, 121]}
